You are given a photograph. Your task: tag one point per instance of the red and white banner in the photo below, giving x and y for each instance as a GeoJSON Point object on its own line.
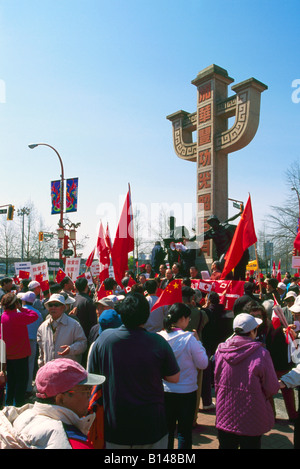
{"type": "Point", "coordinates": [228, 290]}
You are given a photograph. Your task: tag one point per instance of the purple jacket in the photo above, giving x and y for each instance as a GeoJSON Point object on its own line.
{"type": "Point", "coordinates": [244, 381]}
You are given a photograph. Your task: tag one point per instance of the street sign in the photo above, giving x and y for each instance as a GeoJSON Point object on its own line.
{"type": "Point", "coordinates": [67, 252]}
{"type": "Point", "coordinates": [3, 210]}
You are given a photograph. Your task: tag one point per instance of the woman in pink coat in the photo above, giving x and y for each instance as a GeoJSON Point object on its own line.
{"type": "Point", "coordinates": [245, 380]}
{"type": "Point", "coordinates": [15, 335]}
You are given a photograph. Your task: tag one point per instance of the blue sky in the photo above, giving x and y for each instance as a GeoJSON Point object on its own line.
{"type": "Point", "coordinates": [96, 80]}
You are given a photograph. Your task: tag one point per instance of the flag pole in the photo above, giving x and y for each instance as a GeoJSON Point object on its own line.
{"type": "Point", "coordinates": [258, 271]}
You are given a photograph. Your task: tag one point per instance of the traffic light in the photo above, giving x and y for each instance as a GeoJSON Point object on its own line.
{"type": "Point", "coordinates": [41, 236]}
{"type": "Point", "coordinates": [10, 212]}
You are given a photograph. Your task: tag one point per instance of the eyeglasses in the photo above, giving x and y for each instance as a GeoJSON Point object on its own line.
{"type": "Point", "coordinates": [55, 305]}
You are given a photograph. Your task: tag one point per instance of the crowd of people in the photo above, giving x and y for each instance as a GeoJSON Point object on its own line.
{"type": "Point", "coordinates": [92, 366]}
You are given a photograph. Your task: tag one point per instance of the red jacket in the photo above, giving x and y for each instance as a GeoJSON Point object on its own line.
{"type": "Point", "coordinates": [15, 333]}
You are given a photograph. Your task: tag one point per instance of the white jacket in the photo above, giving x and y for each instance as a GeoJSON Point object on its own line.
{"type": "Point", "coordinates": [191, 357]}
{"type": "Point", "coordinates": [68, 332]}
{"type": "Point", "coordinates": [39, 426]}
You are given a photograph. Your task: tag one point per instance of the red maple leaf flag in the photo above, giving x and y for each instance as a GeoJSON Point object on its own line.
{"type": "Point", "coordinates": [90, 258]}
{"type": "Point", "coordinates": [243, 238]}
{"type": "Point", "coordinates": [170, 295]}
{"type": "Point", "coordinates": [279, 271]}
{"type": "Point", "coordinates": [124, 240]}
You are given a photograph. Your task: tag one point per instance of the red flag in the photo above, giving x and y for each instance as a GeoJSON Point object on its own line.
{"type": "Point", "coordinates": [279, 271]}
{"type": "Point", "coordinates": [243, 238]}
{"type": "Point", "coordinates": [275, 320]}
{"type": "Point", "coordinates": [170, 295]}
{"type": "Point", "coordinates": [60, 275]}
{"type": "Point", "coordinates": [90, 258]}
{"type": "Point", "coordinates": [39, 278]}
{"type": "Point", "coordinates": [108, 240]}
{"type": "Point", "coordinates": [124, 241]}
{"type": "Point", "coordinates": [23, 274]}
{"type": "Point", "coordinates": [103, 254]}
{"type": "Point", "coordinates": [274, 270]}
{"type": "Point", "coordinates": [297, 241]}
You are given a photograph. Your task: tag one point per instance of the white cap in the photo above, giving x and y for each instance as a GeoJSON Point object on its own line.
{"type": "Point", "coordinates": [282, 286]}
{"type": "Point", "coordinates": [56, 297]}
{"type": "Point", "coordinates": [245, 323]}
{"type": "Point", "coordinates": [34, 284]}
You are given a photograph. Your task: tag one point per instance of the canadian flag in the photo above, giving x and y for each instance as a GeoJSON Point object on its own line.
{"type": "Point", "coordinates": [275, 320]}
{"type": "Point", "coordinates": [279, 271]}
{"type": "Point", "coordinates": [274, 270]}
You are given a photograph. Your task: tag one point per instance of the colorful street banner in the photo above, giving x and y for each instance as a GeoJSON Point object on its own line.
{"type": "Point", "coordinates": [71, 195]}
{"type": "Point", "coordinates": [55, 197]}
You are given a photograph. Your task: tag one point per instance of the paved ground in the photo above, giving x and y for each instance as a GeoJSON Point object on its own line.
{"type": "Point", "coordinates": [280, 437]}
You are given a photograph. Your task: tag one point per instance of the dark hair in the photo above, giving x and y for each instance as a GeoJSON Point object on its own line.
{"type": "Point", "coordinates": [177, 311]}
{"type": "Point", "coordinates": [254, 306]}
{"type": "Point", "coordinates": [213, 297]}
{"type": "Point", "coordinates": [81, 284]}
{"type": "Point", "coordinates": [151, 286]}
{"type": "Point", "coordinates": [187, 282]}
{"type": "Point", "coordinates": [134, 310]}
{"type": "Point", "coordinates": [5, 281]}
{"type": "Point", "coordinates": [56, 288]}
{"type": "Point", "coordinates": [65, 281]}
{"type": "Point", "coordinates": [109, 283]}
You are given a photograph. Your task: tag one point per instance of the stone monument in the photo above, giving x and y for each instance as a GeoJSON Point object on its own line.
{"type": "Point", "coordinates": [214, 139]}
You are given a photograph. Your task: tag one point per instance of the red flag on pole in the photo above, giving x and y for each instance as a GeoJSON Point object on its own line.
{"type": "Point", "coordinates": [90, 258]}
{"type": "Point", "coordinates": [243, 238]}
{"type": "Point", "coordinates": [108, 240]}
{"type": "Point", "coordinates": [170, 295]}
{"type": "Point", "coordinates": [102, 254]}
{"type": "Point", "coordinates": [279, 271]}
{"type": "Point", "coordinates": [124, 240]}
{"type": "Point", "coordinates": [60, 275]}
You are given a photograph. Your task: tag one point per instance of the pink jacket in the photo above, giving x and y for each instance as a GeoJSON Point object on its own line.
{"type": "Point", "coordinates": [245, 379]}
{"type": "Point", "coordinates": [15, 332]}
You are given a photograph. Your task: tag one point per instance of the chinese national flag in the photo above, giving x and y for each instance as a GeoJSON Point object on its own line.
{"type": "Point", "coordinates": [297, 241]}
{"type": "Point", "coordinates": [60, 275]}
{"type": "Point", "coordinates": [124, 241]}
{"type": "Point", "coordinates": [23, 274]}
{"type": "Point", "coordinates": [170, 295]}
{"type": "Point", "coordinates": [102, 293]}
{"type": "Point", "coordinates": [243, 238]}
{"type": "Point", "coordinates": [39, 278]}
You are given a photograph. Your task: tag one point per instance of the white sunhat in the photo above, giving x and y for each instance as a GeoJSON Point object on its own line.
{"type": "Point", "coordinates": [245, 323]}
{"type": "Point", "coordinates": [56, 298]}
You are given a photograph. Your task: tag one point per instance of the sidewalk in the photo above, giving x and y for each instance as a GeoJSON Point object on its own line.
{"type": "Point", "coordinates": [280, 437]}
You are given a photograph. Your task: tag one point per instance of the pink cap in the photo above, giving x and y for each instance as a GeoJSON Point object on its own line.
{"type": "Point", "coordinates": [60, 375]}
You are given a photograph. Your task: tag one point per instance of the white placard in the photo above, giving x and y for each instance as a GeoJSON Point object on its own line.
{"type": "Point", "coordinates": [72, 267]}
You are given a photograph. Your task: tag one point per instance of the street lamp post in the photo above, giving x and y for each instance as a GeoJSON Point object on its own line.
{"type": "Point", "coordinates": [61, 221]}
{"type": "Point", "coordinates": [21, 213]}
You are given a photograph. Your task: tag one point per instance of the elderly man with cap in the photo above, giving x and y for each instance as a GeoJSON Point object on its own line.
{"type": "Point", "coordinates": [60, 335]}
{"type": "Point", "coordinates": [245, 380]}
{"type": "Point", "coordinates": [59, 418]}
